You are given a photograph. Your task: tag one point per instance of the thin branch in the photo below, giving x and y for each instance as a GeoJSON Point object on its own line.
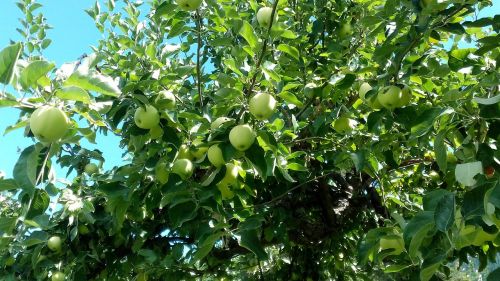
{"type": "Point", "coordinates": [198, 54]}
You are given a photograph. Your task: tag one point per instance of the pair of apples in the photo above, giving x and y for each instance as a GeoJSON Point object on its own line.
{"type": "Point", "coordinates": [389, 97]}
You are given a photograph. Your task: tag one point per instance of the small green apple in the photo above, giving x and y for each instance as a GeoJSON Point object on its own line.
{"type": "Point", "coordinates": [389, 97]}
{"type": "Point", "coordinates": [215, 156]}
{"type": "Point", "coordinates": [406, 96]}
{"type": "Point", "coordinates": [262, 106]}
{"type": "Point", "coordinates": [58, 276]}
{"type": "Point", "coordinates": [184, 153]}
{"type": "Point", "coordinates": [218, 122]}
{"type": "Point", "coordinates": [434, 175]}
{"type": "Point", "coordinates": [451, 158]}
{"type": "Point", "coordinates": [242, 137]}
{"type": "Point", "coordinates": [10, 261]}
{"type": "Point", "coordinates": [83, 229]}
{"type": "Point", "coordinates": [189, 5]}
{"type": "Point", "coordinates": [91, 169]}
{"type": "Point", "coordinates": [49, 123]}
{"type": "Point", "coordinates": [231, 176]}
{"type": "Point", "coordinates": [264, 16]}
{"type": "Point", "coordinates": [147, 117]}
{"type": "Point", "coordinates": [343, 125]}
{"type": "Point", "coordinates": [165, 100]}
{"type": "Point", "coordinates": [156, 132]}
{"type": "Point", "coordinates": [345, 30]}
{"type": "Point", "coordinates": [199, 153]}
{"type": "Point", "coordinates": [54, 243]}
{"type": "Point", "coordinates": [363, 89]}
{"type": "Point", "coordinates": [161, 172]}
{"type": "Point", "coordinates": [183, 167]}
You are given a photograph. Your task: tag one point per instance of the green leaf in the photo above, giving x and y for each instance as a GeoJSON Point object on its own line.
{"type": "Point", "coordinates": [248, 33]}
{"type": "Point", "coordinates": [431, 199]}
{"type": "Point", "coordinates": [207, 246]}
{"type": "Point", "coordinates": [182, 213]}
{"type": "Point", "coordinates": [296, 167]}
{"type": "Point", "coordinates": [93, 82]}
{"type": "Point", "coordinates": [425, 121]}
{"type": "Point", "coordinates": [34, 71]}
{"type": "Point", "coordinates": [494, 275]}
{"type": "Point", "coordinates": [445, 212]}
{"type": "Point", "coordinates": [487, 101]}
{"type": "Point", "coordinates": [37, 237]}
{"type": "Point", "coordinates": [431, 264]}
{"type": "Point", "coordinates": [39, 204]}
{"type": "Point", "coordinates": [440, 150]}
{"type": "Point", "coordinates": [292, 51]}
{"type": "Point", "coordinates": [8, 184]}
{"type": "Point", "coordinates": [291, 98]}
{"type": "Point", "coordinates": [250, 240]}
{"type": "Point", "coordinates": [8, 60]}
{"type": "Point", "coordinates": [495, 196]}
{"type": "Point", "coordinates": [73, 93]}
{"type": "Point", "coordinates": [7, 224]}
{"type": "Point", "coordinates": [26, 167]}
{"type": "Point", "coordinates": [255, 154]}
{"type": "Point", "coordinates": [345, 82]}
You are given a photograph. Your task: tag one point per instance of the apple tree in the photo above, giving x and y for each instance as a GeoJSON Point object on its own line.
{"type": "Point", "coordinates": [271, 140]}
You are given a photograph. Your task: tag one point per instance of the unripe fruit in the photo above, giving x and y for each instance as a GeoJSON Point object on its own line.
{"type": "Point", "coordinates": [54, 243]}
{"type": "Point", "coordinates": [231, 176]}
{"type": "Point", "coordinates": [218, 122]}
{"type": "Point", "coordinates": [345, 30]}
{"type": "Point", "coordinates": [189, 5]}
{"type": "Point", "coordinates": [264, 16]}
{"type": "Point", "coordinates": [262, 106]}
{"type": "Point", "coordinates": [215, 156]}
{"type": "Point", "coordinates": [183, 167]}
{"type": "Point", "coordinates": [49, 123]}
{"type": "Point", "coordinates": [390, 97]}
{"type": "Point", "coordinates": [165, 100]}
{"type": "Point", "coordinates": [147, 118]}
{"type": "Point", "coordinates": [242, 137]}
{"type": "Point", "coordinates": [91, 169]}
{"type": "Point", "coordinates": [343, 125]}
{"type": "Point", "coordinates": [58, 276]}
{"type": "Point", "coordinates": [363, 89]}
{"type": "Point", "coordinates": [156, 132]}
{"type": "Point", "coordinates": [225, 191]}
{"type": "Point", "coordinates": [161, 172]}
{"type": "Point", "coordinates": [405, 96]}
{"type": "Point", "coordinates": [199, 153]}
{"type": "Point", "coordinates": [184, 153]}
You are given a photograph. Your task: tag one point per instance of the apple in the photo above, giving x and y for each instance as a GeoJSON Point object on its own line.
{"type": "Point", "coordinates": [183, 167]}
{"type": "Point", "coordinates": [83, 229]}
{"type": "Point", "coordinates": [10, 261]}
{"type": "Point", "coordinates": [434, 175]}
{"type": "Point", "coordinates": [184, 153]}
{"type": "Point", "coordinates": [374, 103]}
{"type": "Point", "coordinates": [363, 89]}
{"type": "Point", "coordinates": [54, 243]}
{"type": "Point", "coordinates": [225, 191]}
{"type": "Point", "coordinates": [161, 172]}
{"type": "Point", "coordinates": [242, 137]}
{"type": "Point", "coordinates": [489, 172]}
{"type": "Point", "coordinates": [215, 156]}
{"type": "Point", "coordinates": [189, 5]}
{"type": "Point", "coordinates": [264, 16]}
{"type": "Point", "coordinates": [156, 132]}
{"type": "Point", "coordinates": [91, 168]}
{"type": "Point", "coordinates": [405, 96]}
{"type": "Point", "coordinates": [147, 117]}
{"type": "Point", "coordinates": [389, 97]}
{"type": "Point", "coordinates": [199, 152]}
{"type": "Point", "coordinates": [262, 106]}
{"type": "Point", "coordinates": [343, 125]}
{"type": "Point", "coordinates": [345, 30]}
{"type": "Point", "coordinates": [231, 176]}
{"type": "Point", "coordinates": [165, 100]}
{"type": "Point", "coordinates": [58, 276]}
{"type": "Point", "coordinates": [451, 158]}
{"type": "Point", "coordinates": [49, 123]}
{"type": "Point", "coordinates": [218, 122]}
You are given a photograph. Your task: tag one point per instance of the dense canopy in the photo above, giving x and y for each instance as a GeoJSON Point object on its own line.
{"type": "Point", "coordinates": [272, 140]}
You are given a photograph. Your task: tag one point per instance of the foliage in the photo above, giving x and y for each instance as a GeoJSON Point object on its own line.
{"type": "Point", "coordinates": [402, 195]}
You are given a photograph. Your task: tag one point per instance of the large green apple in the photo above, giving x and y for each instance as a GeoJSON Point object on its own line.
{"type": "Point", "coordinates": [184, 153]}
{"type": "Point", "coordinates": [165, 100]}
{"type": "Point", "coordinates": [189, 5]}
{"type": "Point", "coordinates": [343, 125]}
{"type": "Point", "coordinates": [363, 89]}
{"type": "Point", "coordinates": [242, 137]}
{"type": "Point", "coordinates": [406, 96]}
{"type": "Point", "coordinates": [262, 106]}
{"type": "Point", "coordinates": [147, 117]}
{"type": "Point", "coordinates": [58, 276]}
{"type": "Point", "coordinates": [91, 169]}
{"type": "Point", "coordinates": [264, 16]}
{"type": "Point", "coordinates": [161, 172]}
{"type": "Point", "coordinates": [49, 123]}
{"type": "Point", "coordinates": [215, 156]}
{"type": "Point", "coordinates": [183, 167]}
{"type": "Point", "coordinates": [389, 97]}
{"type": "Point", "coordinates": [218, 122]}
{"type": "Point", "coordinates": [199, 152]}
{"type": "Point", "coordinates": [54, 243]}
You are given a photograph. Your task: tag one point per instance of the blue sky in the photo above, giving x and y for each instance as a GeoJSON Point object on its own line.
{"type": "Point", "coordinates": [72, 34]}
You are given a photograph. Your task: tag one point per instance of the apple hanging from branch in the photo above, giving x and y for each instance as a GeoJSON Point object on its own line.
{"type": "Point", "coordinates": [49, 124]}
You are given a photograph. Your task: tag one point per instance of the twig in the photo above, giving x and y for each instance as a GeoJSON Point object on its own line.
{"type": "Point", "coordinates": [198, 54]}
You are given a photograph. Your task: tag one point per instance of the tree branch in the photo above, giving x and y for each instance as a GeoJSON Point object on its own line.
{"type": "Point", "coordinates": [198, 54]}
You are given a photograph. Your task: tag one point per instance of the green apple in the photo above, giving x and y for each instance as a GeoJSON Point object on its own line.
{"type": "Point", "coordinates": [199, 153]}
{"type": "Point", "coordinates": [451, 158]}
{"type": "Point", "coordinates": [147, 117]}
{"type": "Point", "coordinates": [262, 106]}
{"type": "Point", "coordinates": [434, 175]}
{"type": "Point", "coordinates": [58, 276]}
{"type": "Point", "coordinates": [343, 125]}
{"type": "Point", "coordinates": [189, 5]}
{"type": "Point", "coordinates": [183, 167]}
{"type": "Point", "coordinates": [225, 191]}
{"type": "Point", "coordinates": [161, 172]}
{"type": "Point", "coordinates": [54, 243]}
{"type": "Point", "coordinates": [242, 137]}
{"type": "Point", "coordinates": [165, 100]}
{"type": "Point", "coordinates": [405, 96]}
{"type": "Point", "coordinates": [83, 229]}
{"type": "Point", "coordinates": [218, 122]}
{"type": "Point", "coordinates": [345, 30]}
{"type": "Point", "coordinates": [184, 153]}
{"type": "Point", "coordinates": [374, 103]}
{"type": "Point", "coordinates": [49, 124]}
{"type": "Point", "coordinates": [264, 16]}
{"type": "Point", "coordinates": [10, 261]}
{"type": "Point", "coordinates": [231, 176]}
{"type": "Point", "coordinates": [389, 97]}
{"type": "Point", "coordinates": [363, 89]}
{"type": "Point", "coordinates": [156, 132]}
{"type": "Point", "coordinates": [91, 169]}
{"type": "Point", "coordinates": [215, 156]}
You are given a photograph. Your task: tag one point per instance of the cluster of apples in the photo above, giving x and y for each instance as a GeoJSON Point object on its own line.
{"type": "Point", "coordinates": [389, 97]}
{"type": "Point", "coordinates": [54, 244]}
